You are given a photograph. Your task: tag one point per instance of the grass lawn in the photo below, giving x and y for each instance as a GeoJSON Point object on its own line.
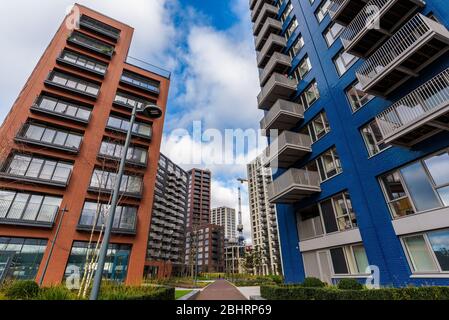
{"type": "Point", "coordinates": [181, 293]}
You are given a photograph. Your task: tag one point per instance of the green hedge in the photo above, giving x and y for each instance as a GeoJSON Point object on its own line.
{"type": "Point", "coordinates": [120, 292]}
{"type": "Point", "coordinates": [332, 293]}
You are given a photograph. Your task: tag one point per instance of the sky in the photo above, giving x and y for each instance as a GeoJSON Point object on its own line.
{"type": "Point", "coordinates": [208, 47]}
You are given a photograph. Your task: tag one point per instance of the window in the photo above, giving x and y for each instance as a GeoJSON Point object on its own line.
{"type": "Point", "coordinates": [296, 47]}
{"type": "Point", "coordinates": [39, 168]}
{"type": "Point", "coordinates": [418, 187]}
{"type": "Point", "coordinates": [51, 136]}
{"type": "Point", "coordinates": [95, 214]}
{"type": "Point", "coordinates": [328, 164]}
{"type": "Point", "coordinates": [332, 33]}
{"type": "Point", "coordinates": [310, 95]}
{"type": "Point", "coordinates": [141, 82]}
{"type": "Point", "coordinates": [373, 138]}
{"type": "Point", "coordinates": [121, 124]}
{"type": "Point", "coordinates": [92, 44]}
{"type": "Point", "coordinates": [84, 62]}
{"type": "Point", "coordinates": [130, 101]}
{"type": "Point", "coordinates": [104, 180]}
{"type": "Point", "coordinates": [115, 150]}
{"type": "Point", "coordinates": [116, 265]}
{"type": "Point", "coordinates": [291, 28]}
{"type": "Point", "coordinates": [288, 9]}
{"type": "Point", "coordinates": [318, 127]}
{"type": "Point", "coordinates": [99, 26]}
{"type": "Point", "coordinates": [303, 69]}
{"type": "Point", "coordinates": [357, 98]}
{"type": "Point", "coordinates": [428, 252]}
{"type": "Point", "coordinates": [24, 255]}
{"type": "Point", "coordinates": [322, 10]}
{"type": "Point", "coordinates": [343, 61]}
{"type": "Point", "coordinates": [63, 108]}
{"type": "Point", "coordinates": [72, 83]}
{"type": "Point", "coordinates": [350, 260]}
{"type": "Point", "coordinates": [28, 207]}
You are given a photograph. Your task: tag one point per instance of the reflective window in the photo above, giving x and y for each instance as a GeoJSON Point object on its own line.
{"type": "Point", "coordinates": [343, 61]}
{"type": "Point", "coordinates": [105, 180]}
{"type": "Point", "coordinates": [332, 33]}
{"type": "Point", "coordinates": [95, 214]}
{"type": "Point", "coordinates": [297, 46]}
{"type": "Point", "coordinates": [123, 125]}
{"type": "Point", "coordinates": [130, 101]}
{"type": "Point", "coordinates": [115, 150]}
{"type": "Point", "coordinates": [82, 61]}
{"type": "Point", "coordinates": [140, 81]}
{"type": "Point", "coordinates": [303, 69]}
{"type": "Point", "coordinates": [310, 95]}
{"type": "Point", "coordinates": [357, 98]}
{"type": "Point", "coordinates": [51, 136]}
{"type": "Point", "coordinates": [318, 127]}
{"type": "Point", "coordinates": [70, 82]}
{"type": "Point", "coordinates": [91, 43]}
{"type": "Point", "coordinates": [322, 10]}
{"type": "Point", "coordinates": [63, 107]}
{"type": "Point", "coordinates": [373, 138]}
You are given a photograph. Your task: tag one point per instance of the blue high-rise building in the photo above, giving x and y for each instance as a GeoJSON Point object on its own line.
{"type": "Point", "coordinates": [359, 93]}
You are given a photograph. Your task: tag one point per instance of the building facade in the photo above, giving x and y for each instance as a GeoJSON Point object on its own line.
{"type": "Point", "coordinates": [199, 205]}
{"type": "Point", "coordinates": [166, 241]}
{"type": "Point", "coordinates": [264, 226]}
{"type": "Point", "coordinates": [61, 144]}
{"type": "Point", "coordinates": [234, 258]}
{"type": "Point", "coordinates": [359, 93]}
{"type": "Point", "coordinates": [205, 249]}
{"type": "Point", "coordinates": [225, 217]}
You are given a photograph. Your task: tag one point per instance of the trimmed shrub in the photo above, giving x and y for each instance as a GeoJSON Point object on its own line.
{"type": "Point", "coordinates": [349, 284]}
{"type": "Point", "coordinates": [332, 293]}
{"type": "Point", "coordinates": [120, 292]}
{"type": "Point", "coordinates": [21, 290]}
{"type": "Point", "coordinates": [312, 282]}
{"type": "Point", "coordinates": [55, 293]}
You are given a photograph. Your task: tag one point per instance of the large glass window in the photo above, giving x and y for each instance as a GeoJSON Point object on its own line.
{"type": "Point", "coordinates": [329, 164]}
{"type": "Point", "coordinates": [130, 101]}
{"type": "Point", "coordinates": [303, 68]}
{"type": "Point", "coordinates": [349, 260]}
{"type": "Point", "coordinates": [99, 26]}
{"type": "Point", "coordinates": [21, 257]}
{"type": "Point", "coordinates": [117, 258]}
{"type": "Point", "coordinates": [332, 33]}
{"type": "Point", "coordinates": [297, 46]}
{"type": "Point", "coordinates": [357, 97]}
{"type": "Point", "coordinates": [28, 207]}
{"type": "Point", "coordinates": [73, 83]}
{"type": "Point", "coordinates": [24, 165]}
{"type": "Point", "coordinates": [95, 214]}
{"type": "Point", "coordinates": [343, 61]}
{"type": "Point", "coordinates": [140, 82]}
{"type": "Point", "coordinates": [123, 125]}
{"type": "Point", "coordinates": [318, 127]}
{"type": "Point", "coordinates": [288, 9]}
{"type": "Point", "coordinates": [104, 180]}
{"type": "Point", "coordinates": [417, 187]}
{"type": "Point", "coordinates": [322, 10]}
{"type": "Point", "coordinates": [51, 136]}
{"type": "Point", "coordinates": [291, 28]}
{"type": "Point", "coordinates": [91, 43]}
{"type": "Point", "coordinates": [83, 61]}
{"type": "Point", "coordinates": [63, 107]}
{"type": "Point", "coordinates": [115, 150]}
{"type": "Point", "coordinates": [310, 95]}
{"type": "Point", "coordinates": [373, 138]}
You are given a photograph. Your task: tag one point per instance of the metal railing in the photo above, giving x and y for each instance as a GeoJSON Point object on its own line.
{"type": "Point", "coordinates": [148, 67]}
{"type": "Point", "coordinates": [266, 7]}
{"type": "Point", "coordinates": [286, 138]}
{"type": "Point", "coordinates": [276, 58]}
{"type": "Point", "coordinates": [403, 40]}
{"type": "Point", "coordinates": [273, 38]}
{"type": "Point", "coordinates": [279, 107]}
{"type": "Point", "coordinates": [270, 22]}
{"type": "Point", "coordinates": [429, 98]}
{"type": "Point", "coordinates": [276, 79]}
{"type": "Point", "coordinates": [17, 211]}
{"type": "Point", "coordinates": [293, 177]}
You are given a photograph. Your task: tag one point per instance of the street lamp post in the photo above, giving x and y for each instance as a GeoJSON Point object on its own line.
{"type": "Point", "coordinates": [153, 112]}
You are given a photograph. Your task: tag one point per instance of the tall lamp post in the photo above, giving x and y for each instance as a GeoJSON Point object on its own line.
{"type": "Point", "coordinates": [154, 112]}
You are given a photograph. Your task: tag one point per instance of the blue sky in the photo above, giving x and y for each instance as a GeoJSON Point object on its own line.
{"type": "Point", "coordinates": [208, 46]}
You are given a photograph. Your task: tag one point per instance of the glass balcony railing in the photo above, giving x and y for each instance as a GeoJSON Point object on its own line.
{"type": "Point", "coordinates": [62, 108]}
{"type": "Point", "coordinates": [99, 27]}
{"type": "Point", "coordinates": [140, 82]}
{"type": "Point", "coordinates": [420, 114]}
{"type": "Point", "coordinates": [91, 44]}
{"type": "Point", "coordinates": [73, 84]}
{"type": "Point", "coordinates": [31, 213]}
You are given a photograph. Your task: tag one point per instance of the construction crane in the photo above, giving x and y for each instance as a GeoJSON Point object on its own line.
{"type": "Point", "coordinates": [240, 225]}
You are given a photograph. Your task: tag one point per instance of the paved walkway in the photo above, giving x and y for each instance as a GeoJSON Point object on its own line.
{"type": "Point", "coordinates": [220, 290]}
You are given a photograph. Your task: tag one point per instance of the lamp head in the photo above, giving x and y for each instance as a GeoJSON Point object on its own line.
{"type": "Point", "coordinates": [151, 110]}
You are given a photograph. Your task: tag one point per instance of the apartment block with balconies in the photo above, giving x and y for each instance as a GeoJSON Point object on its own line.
{"type": "Point", "coordinates": [62, 142]}
{"type": "Point", "coordinates": [355, 101]}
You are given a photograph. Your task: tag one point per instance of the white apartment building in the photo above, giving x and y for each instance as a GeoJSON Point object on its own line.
{"type": "Point", "coordinates": [225, 217]}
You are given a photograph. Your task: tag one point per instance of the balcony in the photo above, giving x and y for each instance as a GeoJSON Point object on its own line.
{"type": "Point", "coordinates": [258, 7]}
{"type": "Point", "coordinates": [99, 27]}
{"type": "Point", "coordinates": [91, 44]}
{"type": "Point", "coordinates": [273, 44]}
{"type": "Point", "coordinates": [419, 115]}
{"type": "Point", "coordinates": [287, 149]}
{"type": "Point", "coordinates": [252, 4]}
{"type": "Point", "coordinates": [73, 84]}
{"type": "Point", "coordinates": [271, 26]}
{"type": "Point", "coordinates": [267, 11]}
{"type": "Point", "coordinates": [367, 32]}
{"type": "Point", "coordinates": [343, 11]}
{"type": "Point", "coordinates": [140, 82]}
{"type": "Point", "coordinates": [278, 87]}
{"type": "Point", "coordinates": [27, 214]}
{"type": "Point", "coordinates": [417, 44]}
{"type": "Point", "coordinates": [279, 63]}
{"type": "Point", "coordinates": [283, 115]}
{"type": "Point", "coordinates": [294, 185]}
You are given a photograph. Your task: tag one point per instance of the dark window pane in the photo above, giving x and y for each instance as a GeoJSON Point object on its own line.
{"type": "Point", "coordinates": [328, 216]}
{"type": "Point", "coordinates": [339, 261]}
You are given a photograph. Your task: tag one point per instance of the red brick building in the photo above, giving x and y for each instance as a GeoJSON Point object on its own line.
{"type": "Point", "coordinates": [60, 147]}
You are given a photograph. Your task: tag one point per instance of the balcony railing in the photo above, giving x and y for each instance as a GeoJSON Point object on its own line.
{"type": "Point", "coordinates": [251, 4]}
{"type": "Point", "coordinates": [418, 115]}
{"type": "Point", "coordinates": [99, 27]}
{"type": "Point", "coordinates": [418, 43]}
{"type": "Point", "coordinates": [271, 26]}
{"type": "Point", "coordinates": [294, 185]}
{"type": "Point", "coordinates": [287, 148]}
{"type": "Point", "coordinates": [20, 213]}
{"type": "Point", "coordinates": [279, 63]}
{"type": "Point", "coordinates": [278, 87]}
{"type": "Point", "coordinates": [273, 44]}
{"type": "Point", "coordinates": [258, 8]}
{"type": "Point", "coordinates": [268, 11]}
{"type": "Point", "coordinates": [343, 11]}
{"type": "Point", "coordinates": [283, 115]}
{"type": "Point", "coordinates": [97, 46]}
{"type": "Point", "coordinates": [368, 30]}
